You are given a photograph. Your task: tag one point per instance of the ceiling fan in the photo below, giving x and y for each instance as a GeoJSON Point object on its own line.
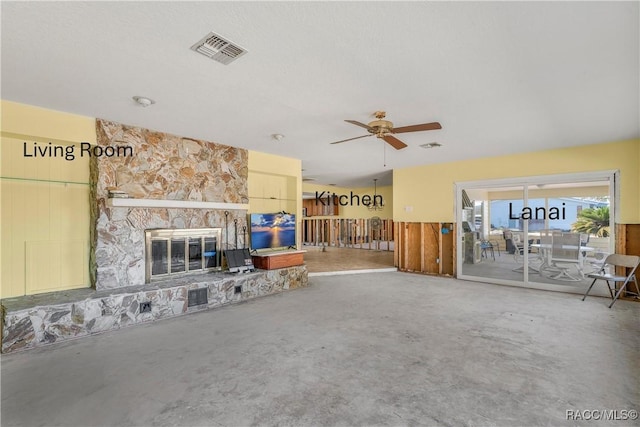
{"type": "Point", "coordinates": [384, 129]}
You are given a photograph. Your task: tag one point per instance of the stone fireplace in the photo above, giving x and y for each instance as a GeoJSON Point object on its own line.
{"type": "Point", "coordinates": [183, 194]}
{"type": "Point", "coordinates": [172, 183]}
{"type": "Point", "coordinates": [175, 252]}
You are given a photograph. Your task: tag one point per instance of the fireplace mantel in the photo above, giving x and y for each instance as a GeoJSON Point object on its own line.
{"type": "Point", "coordinates": [186, 204]}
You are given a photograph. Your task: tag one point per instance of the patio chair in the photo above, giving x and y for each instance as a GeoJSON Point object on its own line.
{"type": "Point", "coordinates": [487, 248]}
{"type": "Point", "coordinates": [496, 244]}
{"type": "Point", "coordinates": [518, 255]}
{"type": "Point", "coordinates": [565, 253]}
{"type": "Point", "coordinates": [518, 245]}
{"type": "Point", "coordinates": [508, 241]}
{"type": "Point", "coordinates": [612, 261]}
{"type": "Point", "coordinates": [544, 251]}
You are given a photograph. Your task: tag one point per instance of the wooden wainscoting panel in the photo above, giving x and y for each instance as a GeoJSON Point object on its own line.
{"type": "Point", "coordinates": [412, 262]}
{"type": "Point", "coordinates": [632, 239]}
{"type": "Point", "coordinates": [418, 246]}
{"type": "Point", "coordinates": [628, 243]}
{"type": "Point", "coordinates": [632, 247]}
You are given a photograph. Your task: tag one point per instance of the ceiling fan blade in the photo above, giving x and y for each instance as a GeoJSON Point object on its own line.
{"type": "Point", "coordinates": [417, 128]}
{"type": "Point", "coordinates": [350, 139]}
{"type": "Point", "coordinates": [362, 125]}
{"type": "Point", "coordinates": [394, 142]}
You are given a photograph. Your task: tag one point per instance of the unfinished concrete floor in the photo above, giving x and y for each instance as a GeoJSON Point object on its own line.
{"type": "Point", "coordinates": [365, 349]}
{"type": "Point", "coordinates": [345, 259]}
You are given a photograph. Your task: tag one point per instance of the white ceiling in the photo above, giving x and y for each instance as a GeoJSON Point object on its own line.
{"type": "Point", "coordinates": [501, 78]}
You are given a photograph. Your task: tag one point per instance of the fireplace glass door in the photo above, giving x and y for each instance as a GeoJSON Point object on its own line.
{"type": "Point", "coordinates": [179, 251]}
{"type": "Point", "coordinates": [195, 254]}
{"type": "Point", "coordinates": [160, 257]}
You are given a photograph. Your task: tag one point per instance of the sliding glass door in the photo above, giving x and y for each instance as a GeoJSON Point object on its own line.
{"type": "Point", "coordinates": [546, 232]}
{"type": "Point", "coordinates": [490, 245]}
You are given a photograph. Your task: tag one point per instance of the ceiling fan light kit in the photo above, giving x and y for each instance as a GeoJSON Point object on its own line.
{"type": "Point", "coordinates": [375, 206]}
{"type": "Point", "coordinates": [384, 130]}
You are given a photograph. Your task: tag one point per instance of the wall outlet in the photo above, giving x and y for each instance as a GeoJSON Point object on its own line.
{"type": "Point", "coordinates": [145, 307]}
{"type": "Point", "coordinates": [437, 260]}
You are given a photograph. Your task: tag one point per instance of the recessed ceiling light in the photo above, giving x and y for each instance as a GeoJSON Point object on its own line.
{"type": "Point", "coordinates": [277, 136]}
{"type": "Point", "coordinates": [431, 145]}
{"type": "Point", "coordinates": [145, 102]}
{"type": "Point", "coordinates": [333, 185]}
{"type": "Point", "coordinates": [308, 179]}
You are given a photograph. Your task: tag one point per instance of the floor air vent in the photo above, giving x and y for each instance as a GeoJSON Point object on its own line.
{"type": "Point", "coordinates": [218, 48]}
{"type": "Point", "coordinates": [197, 297]}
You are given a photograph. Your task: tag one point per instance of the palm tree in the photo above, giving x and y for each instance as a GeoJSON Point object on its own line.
{"type": "Point", "coordinates": [593, 221]}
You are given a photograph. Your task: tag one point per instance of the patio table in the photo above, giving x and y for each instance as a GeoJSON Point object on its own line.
{"type": "Point", "coordinates": [545, 248]}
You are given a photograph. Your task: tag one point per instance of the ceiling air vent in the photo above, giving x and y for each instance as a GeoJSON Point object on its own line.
{"type": "Point", "coordinates": [218, 48]}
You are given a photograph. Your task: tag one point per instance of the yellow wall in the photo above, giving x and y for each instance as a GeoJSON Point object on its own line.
{"type": "Point", "coordinates": [429, 189]}
{"type": "Point", "coordinates": [275, 184]}
{"type": "Point", "coordinates": [44, 202]}
{"type": "Point", "coordinates": [361, 211]}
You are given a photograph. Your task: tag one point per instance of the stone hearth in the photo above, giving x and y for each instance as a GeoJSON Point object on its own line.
{"type": "Point", "coordinates": [43, 319]}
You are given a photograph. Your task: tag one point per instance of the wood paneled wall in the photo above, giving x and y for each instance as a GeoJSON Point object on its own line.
{"type": "Point", "coordinates": [628, 239]}
{"type": "Point", "coordinates": [422, 247]}
{"type": "Point", "coordinates": [628, 243]}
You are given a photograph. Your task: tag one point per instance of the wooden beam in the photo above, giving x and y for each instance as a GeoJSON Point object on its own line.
{"type": "Point", "coordinates": [439, 248]}
{"type": "Point", "coordinates": [455, 250]}
{"type": "Point", "coordinates": [396, 247]}
{"type": "Point", "coordinates": [422, 244]}
{"type": "Point", "coordinates": [629, 240]}
{"type": "Point", "coordinates": [405, 241]}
